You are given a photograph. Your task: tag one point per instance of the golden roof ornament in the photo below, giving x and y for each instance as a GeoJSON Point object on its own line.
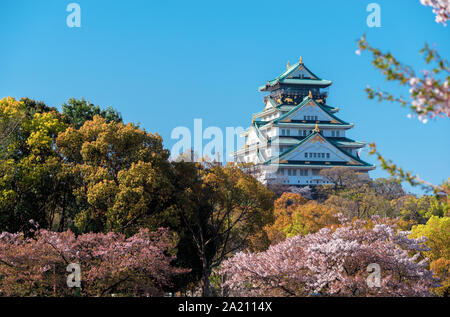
{"type": "Point", "coordinates": [310, 94]}
{"type": "Point", "coordinates": [288, 65]}
{"type": "Point", "coordinates": [316, 129]}
{"type": "Point", "coordinates": [301, 60]}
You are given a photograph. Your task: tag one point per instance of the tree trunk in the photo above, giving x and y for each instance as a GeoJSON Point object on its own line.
{"type": "Point", "coordinates": [206, 274]}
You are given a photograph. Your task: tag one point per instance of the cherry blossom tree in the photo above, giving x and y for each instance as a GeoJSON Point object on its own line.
{"type": "Point", "coordinates": [441, 8]}
{"type": "Point", "coordinates": [110, 263]}
{"type": "Point", "coordinates": [429, 92]}
{"type": "Point", "coordinates": [334, 263]}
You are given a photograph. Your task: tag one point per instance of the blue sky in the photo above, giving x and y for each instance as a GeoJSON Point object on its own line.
{"type": "Point", "coordinates": [164, 63]}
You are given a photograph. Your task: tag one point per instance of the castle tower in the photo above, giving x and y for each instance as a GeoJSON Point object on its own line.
{"type": "Point", "coordinates": [298, 134]}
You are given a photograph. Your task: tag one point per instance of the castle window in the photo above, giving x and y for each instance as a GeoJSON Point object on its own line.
{"type": "Point", "coordinates": [306, 155]}
{"type": "Point", "coordinates": [333, 133]}
{"type": "Point", "coordinates": [337, 133]}
{"type": "Point", "coordinates": [328, 155]}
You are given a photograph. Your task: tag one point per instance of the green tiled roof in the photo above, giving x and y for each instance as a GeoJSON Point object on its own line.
{"type": "Point", "coordinates": [256, 125]}
{"type": "Point", "coordinates": [259, 155]}
{"type": "Point", "coordinates": [301, 124]}
{"type": "Point", "coordinates": [339, 142]}
{"type": "Point", "coordinates": [283, 78]}
{"type": "Point", "coordinates": [321, 164]}
{"type": "Point", "coordinates": [287, 140]}
{"type": "Point", "coordinates": [347, 143]}
{"type": "Point", "coordinates": [290, 150]}
{"type": "Point", "coordinates": [286, 107]}
{"type": "Point", "coordinates": [304, 102]}
{"type": "Point", "coordinates": [329, 107]}
{"type": "Point", "coordinates": [307, 139]}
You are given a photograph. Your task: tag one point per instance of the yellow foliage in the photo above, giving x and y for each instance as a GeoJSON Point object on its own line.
{"type": "Point", "coordinates": [437, 232]}
{"type": "Point", "coordinates": [296, 215]}
{"type": "Point", "coordinates": [10, 107]}
{"type": "Point", "coordinates": [441, 268]}
{"type": "Point", "coordinates": [310, 218]}
{"type": "Point", "coordinates": [44, 128]}
{"type": "Point", "coordinates": [284, 207]}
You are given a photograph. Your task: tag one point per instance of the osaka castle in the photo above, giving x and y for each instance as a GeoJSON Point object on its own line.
{"type": "Point", "coordinates": [298, 134]}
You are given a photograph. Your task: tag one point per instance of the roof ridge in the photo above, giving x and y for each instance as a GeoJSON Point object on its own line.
{"type": "Point", "coordinates": [293, 68]}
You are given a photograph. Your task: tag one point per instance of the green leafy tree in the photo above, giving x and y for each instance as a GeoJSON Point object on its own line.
{"type": "Point", "coordinates": [417, 210]}
{"type": "Point", "coordinates": [11, 115]}
{"type": "Point", "coordinates": [77, 112]}
{"type": "Point", "coordinates": [224, 209]}
{"type": "Point", "coordinates": [31, 173]}
{"type": "Point", "coordinates": [355, 195]}
{"type": "Point", "coordinates": [122, 171]}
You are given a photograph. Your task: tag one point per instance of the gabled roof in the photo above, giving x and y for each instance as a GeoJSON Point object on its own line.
{"type": "Point", "coordinates": [339, 142]}
{"type": "Point", "coordinates": [289, 76]}
{"type": "Point", "coordinates": [305, 101]}
{"type": "Point", "coordinates": [316, 134]}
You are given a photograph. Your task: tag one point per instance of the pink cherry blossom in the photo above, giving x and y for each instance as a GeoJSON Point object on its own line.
{"type": "Point", "coordinates": [441, 8]}
{"type": "Point", "coordinates": [109, 263]}
{"type": "Point", "coordinates": [334, 263]}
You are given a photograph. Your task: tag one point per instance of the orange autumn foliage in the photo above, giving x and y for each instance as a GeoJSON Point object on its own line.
{"type": "Point", "coordinates": [295, 215]}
